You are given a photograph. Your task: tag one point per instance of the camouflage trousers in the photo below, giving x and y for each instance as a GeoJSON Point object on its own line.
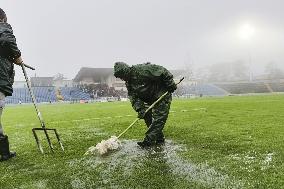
{"type": "Point", "coordinates": [156, 119]}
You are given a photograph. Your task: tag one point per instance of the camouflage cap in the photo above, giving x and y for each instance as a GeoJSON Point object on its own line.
{"type": "Point", "coordinates": [121, 70]}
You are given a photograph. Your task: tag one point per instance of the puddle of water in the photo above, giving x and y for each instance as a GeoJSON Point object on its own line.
{"type": "Point", "coordinates": [268, 158]}
{"type": "Point", "coordinates": [200, 173]}
{"type": "Point", "coordinates": [130, 157]}
{"type": "Point", "coordinates": [267, 161]}
{"type": "Point", "coordinates": [78, 183]}
{"type": "Point", "coordinates": [254, 160]}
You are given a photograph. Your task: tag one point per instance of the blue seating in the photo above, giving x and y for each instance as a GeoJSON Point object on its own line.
{"type": "Point", "coordinates": [46, 94]}
{"type": "Point", "coordinates": [42, 94]}
{"type": "Point", "coordinates": [73, 93]}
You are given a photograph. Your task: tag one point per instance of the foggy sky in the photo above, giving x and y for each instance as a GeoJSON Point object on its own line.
{"type": "Point", "coordinates": [61, 36]}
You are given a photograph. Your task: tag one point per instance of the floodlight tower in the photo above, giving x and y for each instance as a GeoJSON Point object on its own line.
{"type": "Point", "coordinates": [246, 33]}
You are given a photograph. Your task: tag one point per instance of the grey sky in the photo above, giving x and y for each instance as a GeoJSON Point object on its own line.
{"type": "Point", "coordinates": [61, 36]}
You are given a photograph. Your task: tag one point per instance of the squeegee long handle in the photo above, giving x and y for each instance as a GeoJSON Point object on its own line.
{"type": "Point", "coordinates": [161, 97]}
{"type": "Point", "coordinates": [148, 109]}
{"type": "Point", "coordinates": [137, 119]}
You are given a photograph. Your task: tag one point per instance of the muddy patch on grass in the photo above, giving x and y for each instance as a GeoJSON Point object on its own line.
{"type": "Point", "coordinates": [129, 160]}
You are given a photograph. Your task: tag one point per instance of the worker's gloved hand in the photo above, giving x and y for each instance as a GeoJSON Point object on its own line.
{"type": "Point", "coordinates": [172, 88]}
{"type": "Point", "coordinates": [18, 61]}
{"type": "Point", "coordinates": [141, 114]}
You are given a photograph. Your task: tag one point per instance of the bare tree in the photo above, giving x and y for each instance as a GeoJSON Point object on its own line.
{"type": "Point", "coordinates": [228, 71]}
{"type": "Point", "coordinates": [240, 70]}
{"type": "Point", "coordinates": [273, 71]}
{"type": "Point", "coordinates": [219, 72]}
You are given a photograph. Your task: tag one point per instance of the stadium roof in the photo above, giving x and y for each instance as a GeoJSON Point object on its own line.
{"type": "Point", "coordinates": [95, 73]}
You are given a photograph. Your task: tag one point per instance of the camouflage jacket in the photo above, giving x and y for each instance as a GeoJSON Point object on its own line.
{"type": "Point", "coordinates": [147, 83]}
{"type": "Point", "coordinates": [8, 53]}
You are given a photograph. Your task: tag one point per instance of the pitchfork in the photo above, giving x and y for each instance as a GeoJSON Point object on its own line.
{"type": "Point", "coordinates": [43, 127]}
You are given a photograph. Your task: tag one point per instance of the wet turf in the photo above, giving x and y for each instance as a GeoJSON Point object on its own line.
{"type": "Point", "coordinates": [232, 142]}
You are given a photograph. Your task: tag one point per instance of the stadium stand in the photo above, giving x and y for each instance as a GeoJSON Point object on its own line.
{"type": "Point", "coordinates": [42, 94]}
{"type": "Point", "coordinates": [46, 94]}
{"type": "Point", "coordinates": [243, 88]}
{"type": "Point", "coordinates": [200, 90]}
{"type": "Point", "coordinates": [73, 93]}
{"type": "Point", "coordinates": [102, 90]}
{"type": "Point", "coordinates": [277, 87]}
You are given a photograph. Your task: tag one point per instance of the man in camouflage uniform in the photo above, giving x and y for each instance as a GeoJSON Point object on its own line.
{"type": "Point", "coordinates": [9, 54]}
{"type": "Point", "coordinates": [145, 84]}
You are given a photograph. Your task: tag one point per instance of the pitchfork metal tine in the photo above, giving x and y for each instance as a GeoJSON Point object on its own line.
{"type": "Point", "coordinates": [46, 132]}
{"type": "Point", "coordinates": [37, 141]}
{"type": "Point", "coordinates": [48, 139]}
{"type": "Point", "coordinates": [58, 139]}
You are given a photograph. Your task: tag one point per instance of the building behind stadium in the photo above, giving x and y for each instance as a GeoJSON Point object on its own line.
{"type": "Point", "coordinates": [96, 83]}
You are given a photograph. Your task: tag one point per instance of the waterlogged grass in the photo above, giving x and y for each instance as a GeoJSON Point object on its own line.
{"type": "Point", "coordinates": [232, 142]}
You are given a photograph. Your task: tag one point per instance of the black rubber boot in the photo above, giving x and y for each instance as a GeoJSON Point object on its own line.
{"type": "Point", "coordinates": [160, 139]}
{"type": "Point", "coordinates": [144, 144]}
{"type": "Point", "coordinates": [4, 148]}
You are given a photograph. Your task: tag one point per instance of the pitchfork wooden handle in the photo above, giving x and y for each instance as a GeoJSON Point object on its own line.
{"type": "Point", "coordinates": [27, 66]}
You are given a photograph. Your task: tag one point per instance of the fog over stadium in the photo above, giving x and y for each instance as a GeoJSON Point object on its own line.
{"type": "Point", "coordinates": [60, 36]}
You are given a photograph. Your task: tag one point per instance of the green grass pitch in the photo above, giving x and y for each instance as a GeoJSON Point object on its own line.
{"type": "Point", "coordinates": [231, 142]}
